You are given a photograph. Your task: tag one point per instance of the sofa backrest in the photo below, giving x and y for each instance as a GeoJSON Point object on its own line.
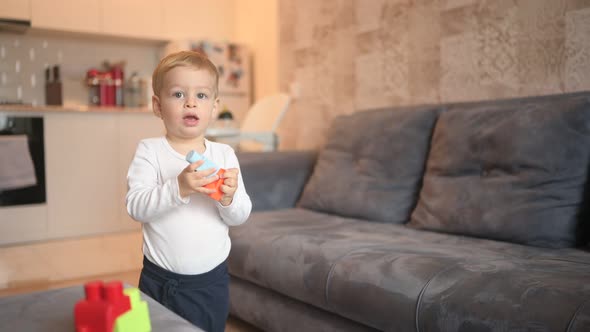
{"type": "Point", "coordinates": [276, 179]}
{"type": "Point", "coordinates": [372, 164]}
{"type": "Point", "coordinates": [511, 170]}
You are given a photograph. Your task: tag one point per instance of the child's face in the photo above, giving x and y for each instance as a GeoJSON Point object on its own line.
{"type": "Point", "coordinates": [187, 103]}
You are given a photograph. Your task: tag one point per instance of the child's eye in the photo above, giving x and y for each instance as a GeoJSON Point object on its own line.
{"type": "Point", "coordinates": [201, 95]}
{"type": "Point", "coordinates": [178, 94]}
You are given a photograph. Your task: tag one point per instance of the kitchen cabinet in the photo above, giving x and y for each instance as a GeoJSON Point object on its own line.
{"type": "Point", "coordinates": [198, 19]}
{"type": "Point", "coordinates": [81, 158]}
{"type": "Point", "coordinates": [16, 9]}
{"type": "Point", "coordinates": [133, 18]}
{"type": "Point", "coordinates": [154, 20]}
{"type": "Point", "coordinates": [129, 18]}
{"type": "Point", "coordinates": [87, 155]}
{"type": "Point", "coordinates": [74, 16]}
{"type": "Point", "coordinates": [23, 223]}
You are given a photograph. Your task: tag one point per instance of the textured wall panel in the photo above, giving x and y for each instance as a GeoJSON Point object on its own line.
{"type": "Point", "coordinates": [353, 55]}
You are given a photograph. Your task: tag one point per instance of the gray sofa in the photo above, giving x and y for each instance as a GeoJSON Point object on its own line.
{"type": "Point", "coordinates": [456, 217]}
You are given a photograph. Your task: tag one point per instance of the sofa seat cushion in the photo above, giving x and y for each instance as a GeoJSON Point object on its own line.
{"type": "Point", "coordinates": [508, 295]}
{"type": "Point", "coordinates": [372, 164]}
{"type": "Point", "coordinates": [368, 272]}
{"type": "Point", "coordinates": [513, 170]}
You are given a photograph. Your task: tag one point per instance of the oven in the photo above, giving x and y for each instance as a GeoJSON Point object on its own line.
{"type": "Point", "coordinates": [20, 135]}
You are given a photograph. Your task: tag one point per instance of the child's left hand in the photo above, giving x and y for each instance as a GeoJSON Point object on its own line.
{"type": "Point", "coordinates": [229, 186]}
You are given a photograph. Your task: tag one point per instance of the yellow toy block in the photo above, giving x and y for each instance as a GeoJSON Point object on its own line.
{"type": "Point", "coordinates": [138, 318]}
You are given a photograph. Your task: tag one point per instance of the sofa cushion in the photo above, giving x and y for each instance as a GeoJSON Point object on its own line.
{"type": "Point", "coordinates": [513, 170]}
{"type": "Point", "coordinates": [372, 164]}
{"type": "Point", "coordinates": [376, 273]}
{"type": "Point", "coordinates": [278, 181]}
{"type": "Point", "coordinates": [507, 295]}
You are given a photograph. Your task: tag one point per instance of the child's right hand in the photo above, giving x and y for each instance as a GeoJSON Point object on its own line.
{"type": "Point", "coordinates": [190, 182]}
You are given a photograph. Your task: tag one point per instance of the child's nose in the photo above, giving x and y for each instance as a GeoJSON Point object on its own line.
{"type": "Point", "coordinates": [190, 102]}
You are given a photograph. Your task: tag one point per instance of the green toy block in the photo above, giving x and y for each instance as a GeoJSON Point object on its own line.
{"type": "Point", "coordinates": [138, 318]}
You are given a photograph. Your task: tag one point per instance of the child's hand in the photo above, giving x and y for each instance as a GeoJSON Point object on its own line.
{"type": "Point", "coordinates": [230, 184]}
{"type": "Point", "coordinates": [190, 182]}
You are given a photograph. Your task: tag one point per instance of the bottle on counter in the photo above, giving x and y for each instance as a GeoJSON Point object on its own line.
{"type": "Point", "coordinates": [117, 75]}
{"type": "Point", "coordinates": [110, 82]}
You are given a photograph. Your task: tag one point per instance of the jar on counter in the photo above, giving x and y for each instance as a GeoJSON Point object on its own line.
{"type": "Point", "coordinates": [93, 83]}
{"type": "Point", "coordinates": [135, 91]}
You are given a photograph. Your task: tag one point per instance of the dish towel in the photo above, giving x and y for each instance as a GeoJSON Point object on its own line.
{"type": "Point", "coordinates": [16, 165]}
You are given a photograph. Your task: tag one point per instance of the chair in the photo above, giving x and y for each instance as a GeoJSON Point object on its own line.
{"type": "Point", "coordinates": [258, 129]}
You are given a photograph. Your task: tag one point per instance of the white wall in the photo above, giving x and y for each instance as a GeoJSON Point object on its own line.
{"type": "Point", "coordinates": [257, 26]}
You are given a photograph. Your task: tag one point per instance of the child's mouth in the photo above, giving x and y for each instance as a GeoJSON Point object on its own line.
{"type": "Point", "coordinates": [190, 120]}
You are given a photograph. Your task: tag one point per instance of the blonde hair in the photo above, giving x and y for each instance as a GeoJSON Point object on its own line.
{"type": "Point", "coordinates": [191, 59]}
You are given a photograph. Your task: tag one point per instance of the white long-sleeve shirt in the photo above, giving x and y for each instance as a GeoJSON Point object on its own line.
{"type": "Point", "coordinates": [185, 236]}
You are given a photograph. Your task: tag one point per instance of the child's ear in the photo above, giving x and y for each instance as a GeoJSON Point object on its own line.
{"type": "Point", "coordinates": [156, 106]}
{"type": "Point", "coordinates": [215, 112]}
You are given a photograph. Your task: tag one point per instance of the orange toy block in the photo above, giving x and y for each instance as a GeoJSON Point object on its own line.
{"type": "Point", "coordinates": [217, 186]}
{"type": "Point", "coordinates": [194, 156]}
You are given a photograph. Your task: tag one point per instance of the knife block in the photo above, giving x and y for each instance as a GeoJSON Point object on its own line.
{"type": "Point", "coordinates": [53, 93]}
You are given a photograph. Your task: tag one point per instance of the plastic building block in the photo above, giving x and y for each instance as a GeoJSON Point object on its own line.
{"type": "Point", "coordinates": [93, 314]}
{"type": "Point", "coordinates": [138, 318]}
{"type": "Point", "coordinates": [109, 308]}
{"type": "Point", "coordinates": [101, 307]}
{"type": "Point", "coordinates": [194, 156]}
{"type": "Point", "coordinates": [113, 294]}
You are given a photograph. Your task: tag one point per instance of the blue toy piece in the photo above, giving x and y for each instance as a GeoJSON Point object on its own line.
{"type": "Point", "coordinates": [194, 156]}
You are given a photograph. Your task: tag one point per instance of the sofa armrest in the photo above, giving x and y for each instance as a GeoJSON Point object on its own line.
{"type": "Point", "coordinates": [275, 180]}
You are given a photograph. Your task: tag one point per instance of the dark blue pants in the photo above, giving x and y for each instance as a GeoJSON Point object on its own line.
{"type": "Point", "coordinates": [202, 299]}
